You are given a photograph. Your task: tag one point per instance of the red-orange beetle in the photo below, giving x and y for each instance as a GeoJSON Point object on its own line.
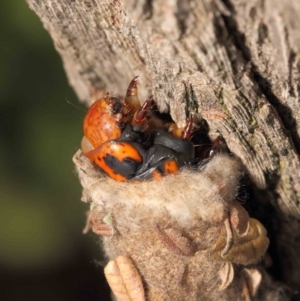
{"type": "Point", "coordinates": [107, 116]}
{"type": "Point", "coordinates": [103, 125]}
{"type": "Point", "coordinates": [118, 141]}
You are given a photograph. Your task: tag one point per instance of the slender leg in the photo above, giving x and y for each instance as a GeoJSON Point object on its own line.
{"type": "Point", "coordinates": [131, 100]}
{"type": "Point", "coordinates": [184, 133]}
{"type": "Point", "coordinates": [139, 117]}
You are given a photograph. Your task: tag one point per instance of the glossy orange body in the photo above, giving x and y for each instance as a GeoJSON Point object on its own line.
{"type": "Point", "coordinates": [118, 150]}
{"type": "Point", "coordinates": [171, 167]}
{"type": "Point", "coordinates": [100, 123]}
{"type": "Point", "coordinates": [156, 175]}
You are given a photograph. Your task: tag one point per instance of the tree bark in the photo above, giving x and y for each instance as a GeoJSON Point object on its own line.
{"type": "Point", "coordinates": [234, 62]}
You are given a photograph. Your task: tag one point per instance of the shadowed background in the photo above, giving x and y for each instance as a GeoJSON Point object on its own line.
{"type": "Point", "coordinates": [43, 254]}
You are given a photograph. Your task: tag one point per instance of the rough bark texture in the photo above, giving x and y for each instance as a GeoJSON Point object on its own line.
{"type": "Point", "coordinates": [235, 62]}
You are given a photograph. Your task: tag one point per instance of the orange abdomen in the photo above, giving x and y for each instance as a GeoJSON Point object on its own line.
{"type": "Point", "coordinates": [119, 160]}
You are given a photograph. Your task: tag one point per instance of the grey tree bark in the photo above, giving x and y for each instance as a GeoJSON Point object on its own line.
{"type": "Point", "coordinates": [234, 62]}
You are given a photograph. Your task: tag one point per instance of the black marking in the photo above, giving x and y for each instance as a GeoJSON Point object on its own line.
{"type": "Point", "coordinates": [127, 167]}
{"type": "Point", "coordinates": [184, 149]}
{"type": "Point", "coordinates": [117, 106]}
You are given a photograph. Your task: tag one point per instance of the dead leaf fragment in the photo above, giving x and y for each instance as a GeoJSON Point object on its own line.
{"type": "Point", "coordinates": [226, 274]}
{"type": "Point", "coordinates": [124, 279]}
{"type": "Point", "coordinates": [239, 219]}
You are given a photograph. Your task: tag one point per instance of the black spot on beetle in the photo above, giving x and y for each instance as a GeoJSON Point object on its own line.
{"type": "Point", "coordinates": [127, 167]}
{"type": "Point", "coordinates": [117, 106]}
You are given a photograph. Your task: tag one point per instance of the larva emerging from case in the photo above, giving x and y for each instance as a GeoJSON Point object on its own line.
{"type": "Point", "coordinates": [181, 237]}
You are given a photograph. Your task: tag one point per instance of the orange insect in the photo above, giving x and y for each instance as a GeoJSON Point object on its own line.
{"type": "Point", "coordinates": [107, 116]}
{"type": "Point", "coordinates": [117, 139]}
